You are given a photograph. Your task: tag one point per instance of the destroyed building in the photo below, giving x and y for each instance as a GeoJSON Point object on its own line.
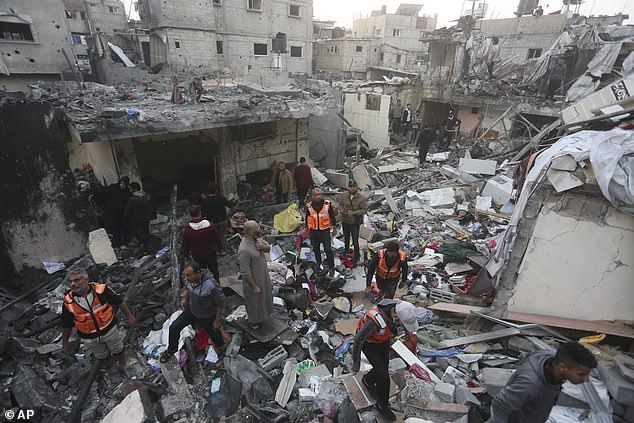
{"type": "Point", "coordinates": [518, 232]}
{"type": "Point", "coordinates": [252, 37]}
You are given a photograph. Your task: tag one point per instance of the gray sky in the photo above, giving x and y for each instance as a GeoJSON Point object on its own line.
{"type": "Point", "coordinates": [344, 11]}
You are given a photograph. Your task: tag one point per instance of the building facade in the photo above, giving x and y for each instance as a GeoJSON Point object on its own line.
{"type": "Point", "coordinates": [349, 57]}
{"type": "Point", "coordinates": [243, 37]}
{"type": "Point", "coordinates": [399, 33]}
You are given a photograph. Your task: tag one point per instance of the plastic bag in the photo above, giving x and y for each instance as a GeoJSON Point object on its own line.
{"type": "Point", "coordinates": [288, 220]}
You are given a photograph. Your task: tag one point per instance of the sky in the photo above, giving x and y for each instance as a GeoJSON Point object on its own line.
{"type": "Point", "coordinates": [344, 11]}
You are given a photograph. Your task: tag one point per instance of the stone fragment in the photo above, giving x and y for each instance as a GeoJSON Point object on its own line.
{"type": "Point", "coordinates": [445, 391]}
{"type": "Point", "coordinates": [465, 397]}
{"type": "Point", "coordinates": [494, 379]}
{"type": "Point", "coordinates": [31, 391]}
{"type": "Point", "coordinates": [135, 408]}
{"type": "Point", "coordinates": [101, 248]}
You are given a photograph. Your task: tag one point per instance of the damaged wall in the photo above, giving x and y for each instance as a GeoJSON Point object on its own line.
{"type": "Point", "coordinates": [327, 139]}
{"type": "Point", "coordinates": [578, 262]}
{"type": "Point", "coordinates": [42, 216]}
{"type": "Point", "coordinates": [370, 116]}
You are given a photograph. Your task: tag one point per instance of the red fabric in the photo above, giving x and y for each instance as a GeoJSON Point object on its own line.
{"type": "Point", "coordinates": [303, 177]}
{"type": "Point", "coordinates": [202, 340]}
{"type": "Point", "coordinates": [200, 241]}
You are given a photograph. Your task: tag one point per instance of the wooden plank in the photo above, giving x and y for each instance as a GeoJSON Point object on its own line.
{"type": "Point", "coordinates": [359, 395]}
{"type": "Point", "coordinates": [447, 407]}
{"type": "Point", "coordinates": [409, 357]}
{"type": "Point", "coordinates": [486, 336]}
{"type": "Point", "coordinates": [560, 322]}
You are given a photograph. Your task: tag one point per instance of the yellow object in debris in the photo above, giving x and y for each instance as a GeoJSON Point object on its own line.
{"type": "Point", "coordinates": [592, 339]}
{"type": "Point", "coordinates": [288, 220]}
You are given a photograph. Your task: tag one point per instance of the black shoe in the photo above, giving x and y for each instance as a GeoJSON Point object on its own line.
{"type": "Point", "coordinates": [386, 412]}
{"type": "Point", "coordinates": [166, 356]}
{"type": "Point", "coordinates": [371, 387]}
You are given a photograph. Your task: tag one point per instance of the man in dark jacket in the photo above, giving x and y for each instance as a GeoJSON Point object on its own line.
{"type": "Point", "coordinates": [390, 265]}
{"type": "Point", "coordinates": [303, 177]}
{"type": "Point", "coordinates": [533, 389]}
{"type": "Point", "coordinates": [214, 209]}
{"type": "Point", "coordinates": [116, 199]}
{"type": "Point", "coordinates": [352, 205]}
{"type": "Point", "coordinates": [203, 304]}
{"type": "Point", "coordinates": [375, 333]}
{"type": "Point", "coordinates": [423, 141]}
{"type": "Point", "coordinates": [201, 239]}
{"type": "Point", "coordinates": [140, 210]}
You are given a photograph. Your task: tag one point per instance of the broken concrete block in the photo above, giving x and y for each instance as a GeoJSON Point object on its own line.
{"type": "Point", "coordinates": [495, 379]}
{"type": "Point", "coordinates": [397, 364]}
{"type": "Point", "coordinates": [464, 396]}
{"type": "Point", "coordinates": [396, 167]}
{"type": "Point", "coordinates": [566, 162]}
{"type": "Point", "coordinates": [625, 365]}
{"type": "Point", "coordinates": [361, 175]}
{"type": "Point", "coordinates": [135, 408]}
{"type": "Point", "coordinates": [173, 404]}
{"type": "Point", "coordinates": [499, 188]}
{"type": "Point", "coordinates": [441, 197]}
{"type": "Point", "coordinates": [445, 391]}
{"type": "Point", "coordinates": [484, 203]}
{"type": "Point", "coordinates": [474, 166]}
{"type": "Point", "coordinates": [285, 388]}
{"type": "Point", "coordinates": [452, 172]}
{"type": "Point", "coordinates": [274, 358]}
{"type": "Point", "coordinates": [101, 248]}
{"type": "Point", "coordinates": [339, 179]}
{"type": "Point", "coordinates": [48, 348]}
{"type": "Point", "coordinates": [31, 391]}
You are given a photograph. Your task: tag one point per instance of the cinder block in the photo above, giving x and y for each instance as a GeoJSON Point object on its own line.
{"type": "Point", "coordinates": [445, 391]}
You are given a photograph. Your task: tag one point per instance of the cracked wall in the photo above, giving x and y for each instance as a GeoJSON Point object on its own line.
{"type": "Point", "coordinates": [578, 263]}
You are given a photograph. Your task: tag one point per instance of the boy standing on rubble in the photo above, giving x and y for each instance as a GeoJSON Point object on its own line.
{"type": "Point", "coordinates": [533, 389]}
{"type": "Point", "coordinates": [91, 308]}
{"type": "Point", "coordinates": [390, 265]}
{"type": "Point", "coordinates": [375, 333]}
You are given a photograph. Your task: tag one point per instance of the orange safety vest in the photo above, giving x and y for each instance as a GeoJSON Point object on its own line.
{"type": "Point", "coordinates": [86, 321]}
{"type": "Point", "coordinates": [384, 334]}
{"type": "Point", "coordinates": [395, 271]}
{"type": "Point", "coordinates": [319, 221]}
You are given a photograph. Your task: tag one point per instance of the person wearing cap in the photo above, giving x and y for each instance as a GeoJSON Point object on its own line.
{"type": "Point", "coordinates": [390, 265]}
{"type": "Point", "coordinates": [115, 197]}
{"type": "Point", "coordinates": [320, 220]}
{"type": "Point", "coordinates": [375, 333]}
{"type": "Point", "coordinates": [256, 283]}
{"type": "Point", "coordinates": [352, 205]}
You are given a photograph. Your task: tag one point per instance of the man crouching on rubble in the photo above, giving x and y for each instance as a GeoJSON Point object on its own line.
{"type": "Point", "coordinates": [375, 333]}
{"type": "Point", "coordinates": [532, 391]}
{"type": "Point", "coordinates": [92, 309]}
{"type": "Point", "coordinates": [203, 304]}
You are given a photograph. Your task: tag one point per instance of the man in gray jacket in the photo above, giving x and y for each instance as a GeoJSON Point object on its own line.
{"type": "Point", "coordinates": [532, 391]}
{"type": "Point", "coordinates": [203, 304]}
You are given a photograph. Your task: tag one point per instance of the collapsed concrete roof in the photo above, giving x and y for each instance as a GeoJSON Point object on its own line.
{"type": "Point", "coordinates": [106, 113]}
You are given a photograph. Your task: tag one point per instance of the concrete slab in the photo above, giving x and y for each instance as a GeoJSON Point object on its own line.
{"type": "Point", "coordinates": [562, 180]}
{"type": "Point", "coordinates": [267, 331]}
{"type": "Point", "coordinates": [396, 167]}
{"type": "Point", "coordinates": [445, 391]}
{"type": "Point", "coordinates": [441, 197]}
{"type": "Point", "coordinates": [621, 389]}
{"type": "Point", "coordinates": [494, 379]}
{"type": "Point", "coordinates": [475, 166]}
{"type": "Point", "coordinates": [31, 391]}
{"type": "Point", "coordinates": [499, 188]}
{"type": "Point", "coordinates": [566, 162]}
{"type": "Point", "coordinates": [464, 396]}
{"type": "Point", "coordinates": [361, 175]}
{"type": "Point", "coordinates": [101, 248]}
{"type": "Point", "coordinates": [135, 408]}
{"type": "Point", "coordinates": [318, 177]}
{"type": "Point", "coordinates": [339, 179]}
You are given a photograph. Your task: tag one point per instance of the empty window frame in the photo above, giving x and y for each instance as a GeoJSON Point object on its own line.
{"type": "Point", "coordinates": [398, 58]}
{"type": "Point", "coordinates": [217, 3]}
{"type": "Point", "coordinates": [254, 4]}
{"type": "Point", "coordinates": [396, 32]}
{"type": "Point", "coordinates": [296, 51]}
{"type": "Point", "coordinates": [260, 49]}
{"type": "Point", "coordinates": [219, 47]}
{"type": "Point", "coordinates": [177, 44]}
{"type": "Point", "coordinates": [15, 31]}
{"type": "Point", "coordinates": [113, 9]}
{"type": "Point", "coordinates": [534, 53]}
{"type": "Point", "coordinates": [293, 10]}
{"type": "Point", "coordinates": [358, 49]}
{"type": "Point", "coordinates": [372, 102]}
{"type": "Point", "coordinates": [78, 38]}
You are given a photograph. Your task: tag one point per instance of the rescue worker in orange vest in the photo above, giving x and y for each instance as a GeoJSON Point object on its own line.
{"type": "Point", "coordinates": [390, 264]}
{"type": "Point", "coordinates": [375, 333]}
{"type": "Point", "coordinates": [320, 220]}
{"type": "Point", "coordinates": [92, 309]}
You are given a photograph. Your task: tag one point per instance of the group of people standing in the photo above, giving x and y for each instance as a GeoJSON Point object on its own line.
{"type": "Point", "coordinates": [128, 212]}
